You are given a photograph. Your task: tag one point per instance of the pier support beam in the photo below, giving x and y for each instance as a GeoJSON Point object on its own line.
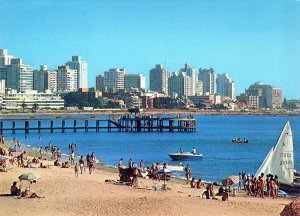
{"type": "Point", "coordinates": [97, 125]}
{"type": "Point", "coordinates": [86, 125]}
{"type": "Point", "coordinates": [51, 126]}
{"type": "Point", "coordinates": [1, 128]}
{"type": "Point", "coordinates": [74, 125]}
{"type": "Point", "coordinates": [39, 126]}
{"type": "Point", "coordinates": [26, 127]}
{"type": "Point", "coordinates": [63, 123]}
{"type": "Point", "coordinates": [13, 127]}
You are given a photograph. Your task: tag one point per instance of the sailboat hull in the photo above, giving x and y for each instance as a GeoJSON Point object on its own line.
{"type": "Point", "coordinates": [294, 188]}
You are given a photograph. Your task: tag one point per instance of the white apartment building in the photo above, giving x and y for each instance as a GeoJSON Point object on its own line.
{"type": "Point", "coordinates": [159, 79]}
{"type": "Point", "coordinates": [45, 79]}
{"type": "Point", "coordinates": [196, 87]}
{"type": "Point", "coordinates": [179, 84]}
{"type": "Point", "coordinates": [225, 86]}
{"type": "Point", "coordinates": [207, 76]}
{"type": "Point", "coordinates": [66, 79]}
{"type": "Point", "coordinates": [114, 79]}
{"type": "Point", "coordinates": [19, 76]}
{"type": "Point", "coordinates": [2, 86]}
{"type": "Point", "coordinates": [82, 71]}
{"type": "Point", "coordinates": [5, 59]}
{"type": "Point", "coordinates": [134, 81]}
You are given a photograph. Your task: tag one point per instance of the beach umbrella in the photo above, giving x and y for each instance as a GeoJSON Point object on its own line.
{"type": "Point", "coordinates": [164, 172]}
{"type": "Point", "coordinates": [15, 150]}
{"type": "Point", "coordinates": [30, 176]}
{"type": "Point", "coordinates": [230, 180]}
{"type": "Point", "coordinates": [292, 209]}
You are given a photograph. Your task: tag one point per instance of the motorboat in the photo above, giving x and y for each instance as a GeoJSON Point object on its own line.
{"type": "Point", "coordinates": [185, 156]}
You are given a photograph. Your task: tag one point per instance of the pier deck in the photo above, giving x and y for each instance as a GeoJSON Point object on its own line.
{"type": "Point", "coordinates": [119, 123]}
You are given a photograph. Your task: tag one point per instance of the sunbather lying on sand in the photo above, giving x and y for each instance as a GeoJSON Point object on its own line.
{"type": "Point", "coordinates": [27, 194]}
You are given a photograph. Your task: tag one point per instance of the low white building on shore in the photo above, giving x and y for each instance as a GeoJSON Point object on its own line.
{"type": "Point", "coordinates": [31, 100]}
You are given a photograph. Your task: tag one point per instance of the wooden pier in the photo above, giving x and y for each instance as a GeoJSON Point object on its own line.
{"type": "Point", "coordinates": [120, 124]}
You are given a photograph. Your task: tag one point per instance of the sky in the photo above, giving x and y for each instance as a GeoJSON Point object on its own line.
{"type": "Point", "coordinates": [254, 40]}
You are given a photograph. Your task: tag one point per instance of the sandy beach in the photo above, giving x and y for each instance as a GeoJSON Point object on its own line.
{"type": "Point", "coordinates": [89, 194]}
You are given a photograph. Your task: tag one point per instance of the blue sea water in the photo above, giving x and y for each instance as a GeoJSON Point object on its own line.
{"type": "Point", "coordinates": [212, 138]}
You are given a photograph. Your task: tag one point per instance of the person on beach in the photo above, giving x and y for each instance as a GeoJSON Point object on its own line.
{"type": "Point", "coordinates": [200, 184]}
{"type": "Point", "coordinates": [26, 194]}
{"type": "Point", "coordinates": [120, 163]}
{"type": "Point", "coordinates": [187, 173]}
{"type": "Point", "coordinates": [135, 173]}
{"type": "Point", "coordinates": [240, 182]}
{"type": "Point", "coordinates": [91, 166]}
{"type": "Point", "coordinates": [41, 153]}
{"type": "Point", "coordinates": [58, 153]}
{"type": "Point", "coordinates": [141, 165]}
{"type": "Point", "coordinates": [130, 163]}
{"type": "Point", "coordinates": [72, 157]}
{"type": "Point", "coordinates": [87, 158]}
{"type": "Point", "coordinates": [81, 164]}
{"type": "Point", "coordinates": [14, 190]}
{"type": "Point", "coordinates": [244, 180]}
{"type": "Point", "coordinates": [262, 185]}
{"type": "Point", "coordinates": [76, 170]}
{"type": "Point", "coordinates": [193, 183]}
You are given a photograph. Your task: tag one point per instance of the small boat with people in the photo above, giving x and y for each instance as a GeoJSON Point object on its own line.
{"type": "Point", "coordinates": [182, 155]}
{"type": "Point", "coordinates": [239, 140]}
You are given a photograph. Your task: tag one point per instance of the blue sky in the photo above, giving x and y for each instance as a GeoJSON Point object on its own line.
{"type": "Point", "coordinates": [250, 40]}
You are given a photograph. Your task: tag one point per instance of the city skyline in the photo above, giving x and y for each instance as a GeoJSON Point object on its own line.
{"type": "Point", "coordinates": [253, 41]}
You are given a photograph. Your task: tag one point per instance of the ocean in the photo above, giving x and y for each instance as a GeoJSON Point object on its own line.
{"type": "Point", "coordinates": [222, 158]}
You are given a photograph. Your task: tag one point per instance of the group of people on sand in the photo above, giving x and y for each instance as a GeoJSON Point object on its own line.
{"type": "Point", "coordinates": [256, 186]}
{"type": "Point", "coordinates": [16, 191]}
{"type": "Point", "coordinates": [197, 184]}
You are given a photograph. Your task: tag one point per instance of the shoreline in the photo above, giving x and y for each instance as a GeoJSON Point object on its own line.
{"type": "Point", "coordinates": [152, 112]}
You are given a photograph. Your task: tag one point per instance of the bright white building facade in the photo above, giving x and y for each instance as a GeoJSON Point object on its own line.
{"type": "Point", "coordinates": [82, 71]}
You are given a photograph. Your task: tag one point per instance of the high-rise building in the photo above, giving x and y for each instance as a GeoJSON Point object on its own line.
{"type": "Point", "coordinates": [207, 76]}
{"type": "Point", "coordinates": [66, 79]}
{"type": "Point", "coordinates": [100, 83]}
{"type": "Point", "coordinates": [2, 86]}
{"type": "Point", "coordinates": [82, 71]}
{"type": "Point", "coordinates": [179, 84]}
{"type": "Point", "coordinates": [159, 79]}
{"type": "Point", "coordinates": [114, 79]}
{"type": "Point", "coordinates": [193, 74]}
{"type": "Point", "coordinates": [225, 86]}
{"type": "Point", "coordinates": [44, 79]}
{"type": "Point", "coordinates": [50, 80]}
{"type": "Point", "coordinates": [38, 79]}
{"type": "Point", "coordinates": [269, 97]}
{"type": "Point", "coordinates": [134, 81]}
{"type": "Point", "coordinates": [19, 76]}
{"type": "Point", "coordinates": [5, 59]}
{"type": "Point", "coordinates": [276, 98]}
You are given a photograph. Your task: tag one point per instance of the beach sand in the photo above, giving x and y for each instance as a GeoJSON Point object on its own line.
{"type": "Point", "coordinates": [91, 195]}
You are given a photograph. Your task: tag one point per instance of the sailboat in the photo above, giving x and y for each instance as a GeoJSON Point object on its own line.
{"type": "Point", "coordinates": [280, 161]}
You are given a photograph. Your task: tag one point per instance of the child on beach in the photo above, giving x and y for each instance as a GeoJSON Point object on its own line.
{"type": "Point", "coordinates": [76, 169]}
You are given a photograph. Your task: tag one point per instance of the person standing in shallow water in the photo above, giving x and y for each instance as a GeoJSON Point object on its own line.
{"type": "Point", "coordinates": [187, 174]}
